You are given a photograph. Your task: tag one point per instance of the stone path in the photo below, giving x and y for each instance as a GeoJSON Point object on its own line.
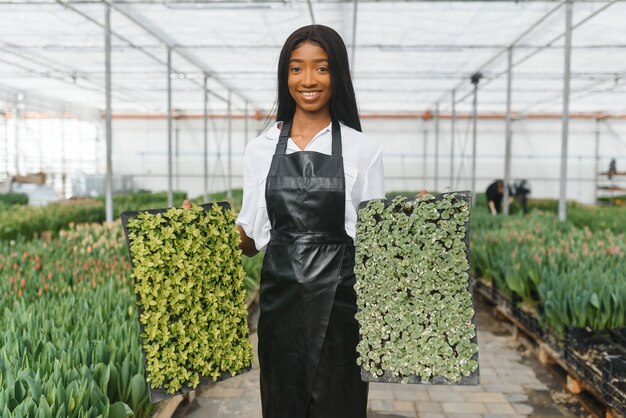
{"type": "Point", "coordinates": [512, 385]}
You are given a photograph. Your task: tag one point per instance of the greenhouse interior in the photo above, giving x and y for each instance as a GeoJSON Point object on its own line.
{"type": "Point", "coordinates": [502, 127]}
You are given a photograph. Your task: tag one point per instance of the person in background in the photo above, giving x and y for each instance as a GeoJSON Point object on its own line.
{"type": "Point", "coordinates": [494, 194]}
{"type": "Point", "coordinates": [612, 169]}
{"type": "Point", "coordinates": [521, 190]}
{"type": "Point", "coordinates": [303, 181]}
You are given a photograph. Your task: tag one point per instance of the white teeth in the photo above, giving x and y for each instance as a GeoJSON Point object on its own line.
{"type": "Point", "coordinates": [309, 93]}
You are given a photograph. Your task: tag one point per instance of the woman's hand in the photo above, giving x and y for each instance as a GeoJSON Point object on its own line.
{"type": "Point", "coordinates": [247, 244]}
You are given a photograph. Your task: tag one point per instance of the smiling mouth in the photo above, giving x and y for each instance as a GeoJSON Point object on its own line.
{"type": "Point", "coordinates": [310, 93]}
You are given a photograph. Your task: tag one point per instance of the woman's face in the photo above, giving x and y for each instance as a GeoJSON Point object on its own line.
{"type": "Point", "coordinates": [309, 78]}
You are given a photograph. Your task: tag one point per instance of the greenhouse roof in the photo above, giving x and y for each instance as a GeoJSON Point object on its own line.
{"type": "Point", "coordinates": [406, 56]}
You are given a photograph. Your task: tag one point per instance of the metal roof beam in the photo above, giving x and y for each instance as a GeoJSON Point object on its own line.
{"type": "Point", "coordinates": [216, 4]}
{"type": "Point", "coordinates": [353, 48]}
{"type": "Point", "coordinates": [134, 75]}
{"type": "Point", "coordinates": [310, 5]}
{"type": "Point", "coordinates": [588, 90]}
{"type": "Point", "coordinates": [504, 50]}
{"type": "Point", "coordinates": [48, 70]}
{"type": "Point", "coordinates": [558, 37]}
{"type": "Point", "coordinates": [44, 104]}
{"type": "Point", "coordinates": [155, 58]}
{"type": "Point", "coordinates": [452, 48]}
{"type": "Point", "coordinates": [547, 45]}
{"type": "Point", "coordinates": [136, 18]}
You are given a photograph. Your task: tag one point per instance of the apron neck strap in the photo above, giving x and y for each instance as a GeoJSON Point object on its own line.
{"type": "Point", "coordinates": [281, 147]}
{"type": "Point", "coordinates": [336, 129]}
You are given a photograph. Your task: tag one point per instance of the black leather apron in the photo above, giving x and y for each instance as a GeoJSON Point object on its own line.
{"type": "Point", "coordinates": [307, 331]}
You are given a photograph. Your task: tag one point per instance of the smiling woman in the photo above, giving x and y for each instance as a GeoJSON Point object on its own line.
{"type": "Point", "coordinates": [303, 181]}
{"type": "Point", "coordinates": [310, 87]}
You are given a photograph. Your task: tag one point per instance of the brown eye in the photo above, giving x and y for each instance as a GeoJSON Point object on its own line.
{"type": "Point", "coordinates": [295, 69]}
{"type": "Point", "coordinates": [323, 69]}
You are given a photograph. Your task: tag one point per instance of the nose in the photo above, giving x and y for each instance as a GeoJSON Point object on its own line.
{"type": "Point", "coordinates": [308, 78]}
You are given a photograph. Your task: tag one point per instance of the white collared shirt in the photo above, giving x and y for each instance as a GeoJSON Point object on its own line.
{"type": "Point", "coordinates": [362, 163]}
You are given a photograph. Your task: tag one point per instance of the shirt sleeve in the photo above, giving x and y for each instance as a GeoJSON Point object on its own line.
{"type": "Point", "coordinates": [253, 216]}
{"type": "Point", "coordinates": [374, 178]}
{"type": "Point", "coordinates": [247, 215]}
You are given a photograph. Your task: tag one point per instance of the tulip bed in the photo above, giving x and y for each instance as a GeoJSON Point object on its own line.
{"type": "Point", "coordinates": [566, 284]}
{"type": "Point", "coordinates": [18, 221]}
{"type": "Point", "coordinates": [9, 199]}
{"type": "Point", "coordinates": [68, 328]}
{"type": "Point", "coordinates": [25, 222]}
{"type": "Point", "coordinates": [142, 200]}
{"type": "Point", "coordinates": [573, 276]}
{"type": "Point", "coordinates": [69, 337]}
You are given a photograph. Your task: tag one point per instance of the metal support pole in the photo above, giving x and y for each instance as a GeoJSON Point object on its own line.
{"type": "Point", "coordinates": [311, 12]}
{"type": "Point", "coordinates": [40, 145]}
{"type": "Point", "coordinates": [596, 167]}
{"type": "Point", "coordinates": [108, 198]}
{"type": "Point", "coordinates": [436, 187]}
{"type": "Point", "coordinates": [475, 80]}
{"type": "Point", "coordinates": [245, 119]}
{"type": "Point", "coordinates": [16, 126]}
{"type": "Point", "coordinates": [508, 135]}
{"type": "Point", "coordinates": [81, 145]}
{"type": "Point", "coordinates": [205, 136]}
{"type": "Point", "coordinates": [565, 117]}
{"type": "Point", "coordinates": [170, 194]}
{"type": "Point", "coordinates": [96, 153]}
{"type": "Point", "coordinates": [177, 153]}
{"type": "Point", "coordinates": [452, 129]}
{"type": "Point", "coordinates": [63, 156]}
{"type": "Point", "coordinates": [354, 21]}
{"type": "Point", "coordinates": [229, 191]}
{"type": "Point", "coordinates": [6, 144]}
{"type": "Point", "coordinates": [424, 157]}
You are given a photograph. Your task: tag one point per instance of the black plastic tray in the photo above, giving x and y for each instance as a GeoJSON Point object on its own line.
{"type": "Point", "coordinates": [614, 388]}
{"type": "Point", "coordinates": [474, 378]}
{"type": "Point", "coordinates": [486, 291]}
{"type": "Point", "coordinates": [158, 394]}
{"type": "Point", "coordinates": [529, 321]}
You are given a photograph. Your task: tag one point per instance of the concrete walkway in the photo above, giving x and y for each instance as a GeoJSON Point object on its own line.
{"type": "Point", "coordinates": [512, 385]}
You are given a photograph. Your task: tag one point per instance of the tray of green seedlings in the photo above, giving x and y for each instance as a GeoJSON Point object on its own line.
{"type": "Point", "coordinates": [414, 291]}
{"type": "Point", "coordinates": [189, 286]}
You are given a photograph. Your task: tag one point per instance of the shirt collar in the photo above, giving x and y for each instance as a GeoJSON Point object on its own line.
{"type": "Point", "coordinates": [273, 132]}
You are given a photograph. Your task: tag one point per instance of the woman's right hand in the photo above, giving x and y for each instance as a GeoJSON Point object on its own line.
{"type": "Point", "coordinates": [246, 244]}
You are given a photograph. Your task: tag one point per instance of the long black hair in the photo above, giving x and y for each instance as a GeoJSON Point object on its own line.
{"type": "Point", "coordinates": [342, 105]}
